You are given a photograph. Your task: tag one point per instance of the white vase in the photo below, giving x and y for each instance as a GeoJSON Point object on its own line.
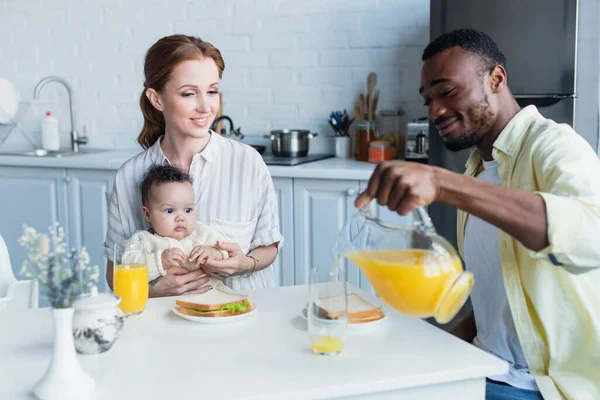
{"type": "Point", "coordinates": [342, 146]}
{"type": "Point", "coordinates": [64, 379]}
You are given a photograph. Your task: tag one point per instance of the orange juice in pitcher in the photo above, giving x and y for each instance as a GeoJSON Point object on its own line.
{"type": "Point", "coordinates": [131, 284]}
{"type": "Point", "coordinates": [414, 270]}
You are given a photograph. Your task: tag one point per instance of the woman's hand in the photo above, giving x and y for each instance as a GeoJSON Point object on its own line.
{"type": "Point", "coordinates": [236, 264]}
{"type": "Point", "coordinates": [180, 281]}
{"type": "Point", "coordinates": [202, 255]}
{"type": "Point", "coordinates": [402, 186]}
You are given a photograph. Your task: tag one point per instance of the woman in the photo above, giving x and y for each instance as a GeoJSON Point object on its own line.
{"type": "Point", "coordinates": [233, 188]}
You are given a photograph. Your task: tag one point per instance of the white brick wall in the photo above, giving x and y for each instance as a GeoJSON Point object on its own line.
{"type": "Point", "coordinates": [289, 63]}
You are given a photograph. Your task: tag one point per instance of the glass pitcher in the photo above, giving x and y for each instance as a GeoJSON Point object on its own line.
{"type": "Point", "coordinates": [412, 268]}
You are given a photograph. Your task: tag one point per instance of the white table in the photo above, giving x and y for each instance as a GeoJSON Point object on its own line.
{"type": "Point", "coordinates": [266, 356]}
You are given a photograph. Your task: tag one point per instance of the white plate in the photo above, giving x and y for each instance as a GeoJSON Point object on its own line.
{"type": "Point", "coordinates": [214, 320]}
{"type": "Point", "coordinates": [357, 326]}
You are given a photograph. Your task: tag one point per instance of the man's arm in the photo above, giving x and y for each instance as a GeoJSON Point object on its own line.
{"type": "Point", "coordinates": [404, 186]}
{"type": "Point", "coordinates": [519, 213]}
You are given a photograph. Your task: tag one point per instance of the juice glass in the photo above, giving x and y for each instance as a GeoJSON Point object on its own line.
{"type": "Point", "coordinates": [412, 268]}
{"type": "Point", "coordinates": [130, 283]}
{"type": "Point", "coordinates": [327, 311]}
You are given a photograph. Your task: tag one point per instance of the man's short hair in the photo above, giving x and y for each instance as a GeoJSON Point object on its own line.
{"type": "Point", "coordinates": [471, 40]}
{"type": "Point", "coordinates": [158, 174]}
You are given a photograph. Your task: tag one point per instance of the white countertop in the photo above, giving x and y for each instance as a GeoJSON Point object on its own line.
{"type": "Point", "coordinates": [265, 356]}
{"type": "Point", "coordinates": [331, 168]}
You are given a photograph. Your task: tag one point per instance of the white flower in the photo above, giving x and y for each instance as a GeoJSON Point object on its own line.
{"type": "Point", "coordinates": [69, 269]}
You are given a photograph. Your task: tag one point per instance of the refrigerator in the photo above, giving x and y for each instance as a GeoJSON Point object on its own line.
{"type": "Point", "coordinates": [538, 38]}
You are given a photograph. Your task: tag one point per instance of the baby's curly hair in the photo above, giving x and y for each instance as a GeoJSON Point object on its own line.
{"type": "Point", "coordinates": [159, 174]}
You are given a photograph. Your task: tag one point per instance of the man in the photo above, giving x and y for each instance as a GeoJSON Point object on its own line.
{"type": "Point", "coordinates": [528, 221]}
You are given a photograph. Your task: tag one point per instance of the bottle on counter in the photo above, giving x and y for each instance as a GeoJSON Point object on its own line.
{"type": "Point", "coordinates": [50, 133]}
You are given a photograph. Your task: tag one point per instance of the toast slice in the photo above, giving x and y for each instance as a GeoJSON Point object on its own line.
{"type": "Point", "coordinates": [359, 310]}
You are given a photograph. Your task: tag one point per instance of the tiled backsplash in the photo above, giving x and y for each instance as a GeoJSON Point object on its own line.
{"type": "Point", "coordinates": [289, 63]}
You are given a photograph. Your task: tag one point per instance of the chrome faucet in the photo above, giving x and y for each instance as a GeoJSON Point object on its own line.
{"type": "Point", "coordinates": [75, 139]}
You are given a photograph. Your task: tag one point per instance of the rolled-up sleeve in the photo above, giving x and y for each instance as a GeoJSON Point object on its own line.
{"type": "Point", "coordinates": [568, 173]}
{"type": "Point", "coordinates": [267, 226]}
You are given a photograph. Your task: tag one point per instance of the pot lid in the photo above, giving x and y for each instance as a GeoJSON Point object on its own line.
{"type": "Point", "coordinates": [95, 300]}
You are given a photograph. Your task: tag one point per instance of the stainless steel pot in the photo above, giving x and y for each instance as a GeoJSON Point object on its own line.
{"type": "Point", "coordinates": [290, 142]}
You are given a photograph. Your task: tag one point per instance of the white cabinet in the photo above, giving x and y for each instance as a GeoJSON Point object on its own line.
{"type": "Point", "coordinates": [321, 208]}
{"type": "Point", "coordinates": [40, 197]}
{"type": "Point", "coordinates": [284, 263]}
{"type": "Point", "coordinates": [32, 196]}
{"type": "Point", "coordinates": [88, 214]}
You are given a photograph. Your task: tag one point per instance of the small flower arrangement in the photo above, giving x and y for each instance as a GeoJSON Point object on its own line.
{"type": "Point", "coordinates": [62, 274]}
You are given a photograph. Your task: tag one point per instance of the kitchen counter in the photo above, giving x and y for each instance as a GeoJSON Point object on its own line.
{"type": "Point", "coordinates": [265, 356]}
{"type": "Point", "coordinates": [331, 168]}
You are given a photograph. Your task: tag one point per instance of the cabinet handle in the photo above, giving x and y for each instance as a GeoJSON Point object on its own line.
{"type": "Point", "coordinates": [68, 179]}
{"type": "Point", "coordinates": [351, 192]}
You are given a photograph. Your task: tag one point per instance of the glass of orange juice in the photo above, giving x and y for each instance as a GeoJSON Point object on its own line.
{"type": "Point", "coordinates": [130, 283]}
{"type": "Point", "coordinates": [327, 310]}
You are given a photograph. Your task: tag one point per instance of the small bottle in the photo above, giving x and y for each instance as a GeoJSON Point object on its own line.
{"type": "Point", "coordinates": [50, 133]}
{"type": "Point", "coordinates": [380, 150]}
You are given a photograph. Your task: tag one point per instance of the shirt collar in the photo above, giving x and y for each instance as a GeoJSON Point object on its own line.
{"type": "Point", "coordinates": [158, 157]}
{"type": "Point", "coordinates": [510, 139]}
{"type": "Point", "coordinates": [212, 147]}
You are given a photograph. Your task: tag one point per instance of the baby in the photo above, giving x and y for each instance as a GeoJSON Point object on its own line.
{"type": "Point", "coordinates": [174, 236]}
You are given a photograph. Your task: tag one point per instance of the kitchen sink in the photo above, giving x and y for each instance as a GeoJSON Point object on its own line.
{"type": "Point", "coordinates": [52, 154]}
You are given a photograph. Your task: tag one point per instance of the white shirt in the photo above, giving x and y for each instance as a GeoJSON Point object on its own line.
{"type": "Point", "coordinates": [496, 331]}
{"type": "Point", "coordinates": [234, 195]}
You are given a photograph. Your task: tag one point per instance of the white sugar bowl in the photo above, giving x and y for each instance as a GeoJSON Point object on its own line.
{"type": "Point", "coordinates": [97, 322]}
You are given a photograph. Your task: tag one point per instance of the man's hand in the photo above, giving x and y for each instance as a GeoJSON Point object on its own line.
{"type": "Point", "coordinates": [202, 255]}
{"type": "Point", "coordinates": [402, 186]}
{"type": "Point", "coordinates": [172, 258]}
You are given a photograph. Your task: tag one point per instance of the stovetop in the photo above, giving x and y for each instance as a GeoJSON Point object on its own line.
{"type": "Point", "coordinates": [291, 161]}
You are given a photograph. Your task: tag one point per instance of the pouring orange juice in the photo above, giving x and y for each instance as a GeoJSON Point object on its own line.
{"type": "Point", "coordinates": [412, 269]}
{"type": "Point", "coordinates": [131, 284]}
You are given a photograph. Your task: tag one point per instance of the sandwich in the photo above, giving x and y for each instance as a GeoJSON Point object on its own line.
{"type": "Point", "coordinates": [359, 310]}
{"type": "Point", "coordinates": [215, 303]}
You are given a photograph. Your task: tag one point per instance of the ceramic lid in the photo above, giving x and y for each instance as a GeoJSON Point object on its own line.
{"type": "Point", "coordinates": [95, 300]}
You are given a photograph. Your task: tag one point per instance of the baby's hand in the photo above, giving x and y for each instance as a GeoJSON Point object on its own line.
{"type": "Point", "coordinates": [172, 258]}
{"type": "Point", "coordinates": [202, 255]}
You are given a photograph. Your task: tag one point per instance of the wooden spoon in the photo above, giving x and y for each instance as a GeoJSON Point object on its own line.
{"type": "Point", "coordinates": [361, 106]}
{"type": "Point", "coordinates": [371, 83]}
{"type": "Point", "coordinates": [357, 113]}
{"type": "Point", "coordinates": [374, 107]}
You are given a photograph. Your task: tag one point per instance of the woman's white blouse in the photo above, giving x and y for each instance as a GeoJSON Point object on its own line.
{"type": "Point", "coordinates": [234, 195]}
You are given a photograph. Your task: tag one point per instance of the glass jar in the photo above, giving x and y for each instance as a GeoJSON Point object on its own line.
{"type": "Point", "coordinates": [390, 128]}
{"type": "Point", "coordinates": [365, 134]}
{"type": "Point", "coordinates": [380, 150]}
{"type": "Point", "coordinates": [412, 268]}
